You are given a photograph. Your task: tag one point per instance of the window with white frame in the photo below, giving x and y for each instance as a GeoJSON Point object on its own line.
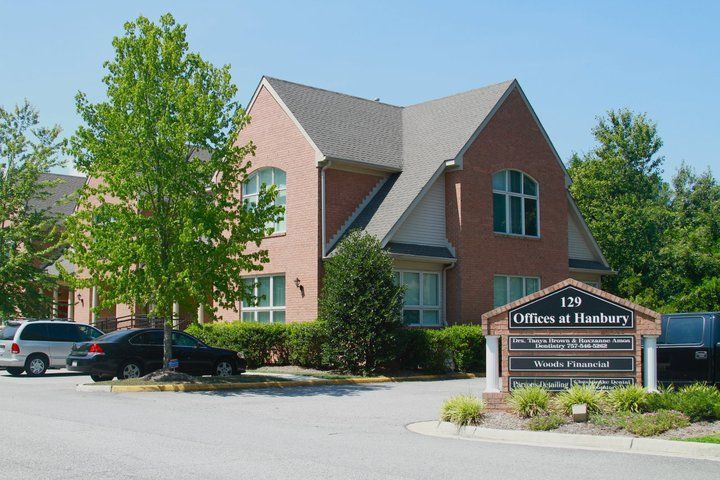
{"type": "Point", "coordinates": [267, 177]}
{"type": "Point", "coordinates": [268, 304]}
{"type": "Point", "coordinates": [515, 204]}
{"type": "Point", "coordinates": [422, 297]}
{"type": "Point", "coordinates": [508, 288]}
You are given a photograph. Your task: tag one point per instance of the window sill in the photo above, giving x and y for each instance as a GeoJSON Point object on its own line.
{"type": "Point", "coordinates": [275, 235]}
{"type": "Point", "coordinates": [515, 235]}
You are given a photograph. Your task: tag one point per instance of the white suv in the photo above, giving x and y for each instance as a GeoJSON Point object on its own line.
{"type": "Point", "coordinates": [33, 346]}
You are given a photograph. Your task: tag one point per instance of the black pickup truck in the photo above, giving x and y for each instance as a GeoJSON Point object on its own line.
{"type": "Point", "coordinates": [689, 348]}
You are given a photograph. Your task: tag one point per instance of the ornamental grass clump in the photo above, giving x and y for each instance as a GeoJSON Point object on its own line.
{"type": "Point", "coordinates": [630, 398]}
{"type": "Point", "coordinates": [463, 410]}
{"type": "Point", "coordinates": [698, 401]}
{"type": "Point", "coordinates": [529, 401]}
{"type": "Point", "coordinates": [546, 422]}
{"type": "Point", "coordinates": [580, 394]}
{"type": "Point", "coordinates": [650, 424]}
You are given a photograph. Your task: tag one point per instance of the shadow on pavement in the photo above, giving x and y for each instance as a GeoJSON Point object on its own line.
{"type": "Point", "coordinates": [326, 390]}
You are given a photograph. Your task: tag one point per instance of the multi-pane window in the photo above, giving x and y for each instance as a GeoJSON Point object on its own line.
{"type": "Point", "coordinates": [267, 177]}
{"type": "Point", "coordinates": [507, 289]}
{"type": "Point", "coordinates": [422, 297]}
{"type": "Point", "coordinates": [515, 204]}
{"type": "Point", "coordinates": [268, 304]}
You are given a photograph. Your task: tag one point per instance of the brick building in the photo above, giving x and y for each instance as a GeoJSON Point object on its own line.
{"type": "Point", "coordinates": [466, 192]}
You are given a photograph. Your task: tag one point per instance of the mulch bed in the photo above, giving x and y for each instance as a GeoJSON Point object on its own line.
{"type": "Point", "coordinates": [507, 421]}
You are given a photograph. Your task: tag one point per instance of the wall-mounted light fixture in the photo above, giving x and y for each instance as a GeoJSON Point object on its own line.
{"type": "Point", "coordinates": [80, 299]}
{"type": "Point", "coordinates": [298, 284]}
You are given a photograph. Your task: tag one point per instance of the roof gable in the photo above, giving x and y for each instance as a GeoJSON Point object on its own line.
{"type": "Point", "coordinates": [60, 199]}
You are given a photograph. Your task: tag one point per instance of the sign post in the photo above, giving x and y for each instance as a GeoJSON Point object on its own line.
{"type": "Point", "coordinates": [567, 334]}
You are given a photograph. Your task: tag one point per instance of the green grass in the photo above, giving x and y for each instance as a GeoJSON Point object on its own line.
{"type": "Point", "coordinates": [200, 380]}
{"type": "Point", "coordinates": [307, 372]}
{"type": "Point", "coordinates": [714, 438]}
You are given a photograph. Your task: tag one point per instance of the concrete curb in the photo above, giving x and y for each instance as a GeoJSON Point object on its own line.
{"type": "Point", "coordinates": [647, 446]}
{"type": "Point", "coordinates": [195, 387]}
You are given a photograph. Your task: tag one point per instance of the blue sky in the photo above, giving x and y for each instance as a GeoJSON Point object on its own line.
{"type": "Point", "coordinates": [574, 59]}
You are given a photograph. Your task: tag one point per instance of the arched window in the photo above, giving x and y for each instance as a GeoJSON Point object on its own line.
{"type": "Point", "coordinates": [515, 204]}
{"type": "Point", "coordinates": [267, 177]}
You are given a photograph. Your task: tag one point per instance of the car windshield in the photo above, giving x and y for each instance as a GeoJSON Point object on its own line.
{"type": "Point", "coordinates": [8, 332]}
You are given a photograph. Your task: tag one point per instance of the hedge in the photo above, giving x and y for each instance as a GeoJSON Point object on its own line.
{"type": "Point", "coordinates": [459, 348]}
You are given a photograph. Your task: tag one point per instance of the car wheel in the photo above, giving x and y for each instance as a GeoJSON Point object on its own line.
{"type": "Point", "coordinates": [36, 365]}
{"type": "Point", "coordinates": [15, 371]}
{"type": "Point", "coordinates": [131, 369]}
{"type": "Point", "coordinates": [224, 368]}
{"type": "Point", "coordinates": [100, 378]}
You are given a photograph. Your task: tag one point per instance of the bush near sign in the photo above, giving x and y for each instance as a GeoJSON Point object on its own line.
{"type": "Point", "coordinates": [573, 308]}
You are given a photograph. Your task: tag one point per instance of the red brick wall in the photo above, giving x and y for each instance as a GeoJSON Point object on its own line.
{"type": "Point", "coordinates": [511, 140]}
{"type": "Point", "coordinates": [296, 253]}
{"type": "Point", "coordinates": [344, 192]}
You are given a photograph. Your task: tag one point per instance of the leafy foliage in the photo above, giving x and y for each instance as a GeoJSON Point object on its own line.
{"type": "Point", "coordinates": [663, 239]}
{"type": "Point", "coordinates": [578, 394]}
{"type": "Point", "coordinates": [361, 305]}
{"type": "Point", "coordinates": [546, 422]}
{"type": "Point", "coordinates": [529, 401]}
{"type": "Point", "coordinates": [698, 402]}
{"type": "Point", "coordinates": [630, 398]}
{"type": "Point", "coordinates": [463, 410]}
{"type": "Point", "coordinates": [28, 233]}
{"type": "Point", "coordinates": [649, 424]}
{"type": "Point", "coordinates": [460, 348]}
{"type": "Point", "coordinates": [159, 224]}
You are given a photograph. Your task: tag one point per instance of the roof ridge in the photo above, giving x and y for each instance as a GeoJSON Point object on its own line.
{"type": "Point", "coordinates": [509, 82]}
{"type": "Point", "coordinates": [63, 175]}
{"type": "Point", "coordinates": [377, 102]}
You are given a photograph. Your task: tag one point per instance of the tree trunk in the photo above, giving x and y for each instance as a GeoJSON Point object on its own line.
{"type": "Point", "coordinates": [167, 339]}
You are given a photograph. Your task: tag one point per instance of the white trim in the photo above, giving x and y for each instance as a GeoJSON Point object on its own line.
{"type": "Point", "coordinates": [586, 230]}
{"type": "Point", "coordinates": [413, 204]}
{"type": "Point", "coordinates": [421, 307]}
{"type": "Point", "coordinates": [459, 158]}
{"type": "Point", "coordinates": [507, 193]}
{"type": "Point", "coordinates": [270, 308]}
{"type": "Point", "coordinates": [343, 228]}
{"type": "Point", "coordinates": [507, 286]}
{"type": "Point", "coordinates": [264, 83]}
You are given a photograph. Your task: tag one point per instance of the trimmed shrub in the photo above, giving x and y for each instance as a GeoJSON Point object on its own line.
{"type": "Point", "coordinates": [631, 398]}
{"type": "Point", "coordinates": [458, 348]}
{"type": "Point", "coordinates": [587, 394]}
{"type": "Point", "coordinates": [463, 410]}
{"type": "Point", "coordinates": [307, 344]}
{"type": "Point", "coordinates": [698, 402]}
{"type": "Point", "coordinates": [529, 401]}
{"type": "Point", "coordinates": [661, 400]}
{"type": "Point", "coordinates": [261, 344]}
{"type": "Point", "coordinates": [361, 305]}
{"type": "Point", "coordinates": [649, 424]}
{"type": "Point", "coordinates": [546, 422]}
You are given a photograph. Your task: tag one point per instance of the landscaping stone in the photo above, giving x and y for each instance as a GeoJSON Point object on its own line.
{"type": "Point", "coordinates": [579, 413]}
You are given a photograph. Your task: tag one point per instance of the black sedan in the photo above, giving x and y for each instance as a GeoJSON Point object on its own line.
{"type": "Point", "coordinates": [134, 353]}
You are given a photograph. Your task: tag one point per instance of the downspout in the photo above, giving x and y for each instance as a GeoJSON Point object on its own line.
{"type": "Point", "coordinates": [444, 291]}
{"type": "Point", "coordinates": [322, 207]}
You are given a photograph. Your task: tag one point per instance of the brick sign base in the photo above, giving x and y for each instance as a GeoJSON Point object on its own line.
{"type": "Point", "coordinates": [566, 334]}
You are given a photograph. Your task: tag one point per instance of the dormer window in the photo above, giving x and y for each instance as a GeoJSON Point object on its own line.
{"type": "Point", "coordinates": [515, 204]}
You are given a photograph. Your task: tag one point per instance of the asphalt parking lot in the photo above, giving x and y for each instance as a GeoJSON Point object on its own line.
{"type": "Point", "coordinates": [49, 430]}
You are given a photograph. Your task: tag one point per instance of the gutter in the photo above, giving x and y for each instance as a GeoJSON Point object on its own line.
{"type": "Point", "coordinates": [325, 164]}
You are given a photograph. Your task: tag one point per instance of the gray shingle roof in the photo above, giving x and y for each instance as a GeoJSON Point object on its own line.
{"type": "Point", "coordinates": [588, 265]}
{"type": "Point", "coordinates": [60, 199]}
{"type": "Point", "coordinates": [417, 139]}
{"type": "Point", "coordinates": [346, 127]}
{"type": "Point", "coordinates": [419, 250]}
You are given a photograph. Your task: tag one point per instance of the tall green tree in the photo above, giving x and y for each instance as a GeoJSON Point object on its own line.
{"type": "Point", "coordinates": [688, 277]}
{"type": "Point", "coordinates": [162, 225]}
{"type": "Point", "coordinates": [619, 189]}
{"type": "Point", "coordinates": [361, 304]}
{"type": "Point", "coordinates": [28, 233]}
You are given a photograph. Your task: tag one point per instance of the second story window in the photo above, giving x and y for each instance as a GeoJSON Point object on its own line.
{"type": "Point", "coordinates": [267, 177]}
{"type": "Point", "coordinates": [515, 204]}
